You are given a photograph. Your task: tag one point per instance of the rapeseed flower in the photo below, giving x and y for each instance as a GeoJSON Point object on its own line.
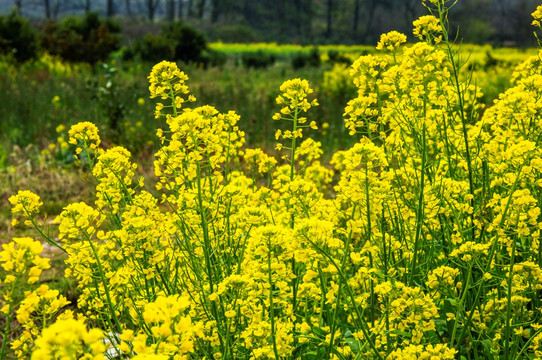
{"type": "Point", "coordinates": [391, 40]}
{"type": "Point", "coordinates": [69, 339]}
{"type": "Point", "coordinates": [85, 136]}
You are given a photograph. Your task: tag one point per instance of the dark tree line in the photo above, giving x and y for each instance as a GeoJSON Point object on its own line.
{"type": "Point", "coordinates": [308, 21]}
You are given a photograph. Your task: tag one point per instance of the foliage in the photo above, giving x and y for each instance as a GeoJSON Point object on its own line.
{"type": "Point", "coordinates": [17, 38]}
{"type": "Point", "coordinates": [176, 42]}
{"type": "Point", "coordinates": [88, 39]}
{"type": "Point", "coordinates": [151, 48]}
{"type": "Point", "coordinates": [188, 43]}
{"type": "Point", "coordinates": [257, 60]}
{"type": "Point", "coordinates": [337, 57]}
{"type": "Point", "coordinates": [311, 59]}
{"type": "Point", "coordinates": [212, 58]}
{"type": "Point", "coordinates": [106, 91]}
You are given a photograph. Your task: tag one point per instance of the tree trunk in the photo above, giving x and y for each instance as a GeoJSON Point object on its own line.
{"type": "Point", "coordinates": [87, 6]}
{"type": "Point", "coordinates": [281, 16]}
{"type": "Point", "coordinates": [356, 16]}
{"type": "Point", "coordinates": [151, 7]}
{"type": "Point", "coordinates": [201, 8]}
{"type": "Point", "coordinates": [56, 9]}
{"type": "Point", "coordinates": [18, 6]}
{"type": "Point", "coordinates": [190, 8]}
{"type": "Point", "coordinates": [170, 10]}
{"type": "Point", "coordinates": [410, 11]}
{"type": "Point", "coordinates": [215, 12]}
{"type": "Point", "coordinates": [328, 19]}
{"type": "Point", "coordinates": [110, 8]}
{"type": "Point", "coordinates": [47, 7]}
{"type": "Point", "coordinates": [308, 23]}
{"type": "Point", "coordinates": [299, 17]}
{"type": "Point", "coordinates": [180, 9]}
{"type": "Point", "coordinates": [370, 14]}
{"type": "Point", "coordinates": [128, 7]}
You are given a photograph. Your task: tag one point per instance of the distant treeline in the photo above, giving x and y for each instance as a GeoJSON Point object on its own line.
{"type": "Point", "coordinates": [497, 22]}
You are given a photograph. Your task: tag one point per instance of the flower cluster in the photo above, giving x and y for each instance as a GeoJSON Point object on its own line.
{"type": "Point", "coordinates": [114, 173]}
{"type": "Point", "coordinates": [35, 312]}
{"type": "Point", "coordinates": [25, 203]}
{"type": "Point", "coordinates": [21, 258]}
{"type": "Point", "coordinates": [428, 28]}
{"type": "Point", "coordinates": [85, 136]}
{"type": "Point", "coordinates": [537, 16]}
{"type": "Point", "coordinates": [69, 339]}
{"type": "Point", "coordinates": [391, 40]}
{"type": "Point", "coordinates": [294, 101]}
{"type": "Point", "coordinates": [167, 81]}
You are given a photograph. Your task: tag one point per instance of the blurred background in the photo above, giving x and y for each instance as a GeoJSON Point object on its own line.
{"type": "Point", "coordinates": [497, 22]}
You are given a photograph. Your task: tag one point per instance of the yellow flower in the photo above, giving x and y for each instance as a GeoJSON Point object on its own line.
{"type": "Point", "coordinates": [168, 82]}
{"type": "Point", "coordinates": [391, 40]}
{"type": "Point", "coordinates": [21, 258]}
{"type": "Point", "coordinates": [294, 98]}
{"type": "Point", "coordinates": [26, 203]}
{"type": "Point", "coordinates": [84, 134]}
{"type": "Point", "coordinates": [425, 28]}
{"type": "Point", "coordinates": [537, 16]}
{"type": "Point", "coordinates": [69, 339]}
{"type": "Point", "coordinates": [77, 218]}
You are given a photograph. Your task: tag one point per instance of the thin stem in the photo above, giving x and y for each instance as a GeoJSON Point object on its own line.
{"type": "Point", "coordinates": [419, 212]}
{"type": "Point", "coordinates": [7, 325]}
{"type": "Point", "coordinates": [509, 302]}
{"type": "Point", "coordinates": [271, 306]}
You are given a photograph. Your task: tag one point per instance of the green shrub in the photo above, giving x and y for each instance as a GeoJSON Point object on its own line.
{"type": "Point", "coordinates": [17, 38]}
{"type": "Point", "coordinates": [81, 39]}
{"type": "Point", "coordinates": [311, 58]}
{"type": "Point", "coordinates": [152, 48]}
{"type": "Point", "coordinates": [177, 42]}
{"type": "Point", "coordinates": [213, 58]}
{"type": "Point", "coordinates": [188, 43]}
{"type": "Point", "coordinates": [336, 57]}
{"type": "Point", "coordinates": [258, 59]}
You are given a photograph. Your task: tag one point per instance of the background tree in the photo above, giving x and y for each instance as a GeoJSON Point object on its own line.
{"type": "Point", "coordinates": [497, 22]}
{"type": "Point", "coordinates": [110, 8]}
{"type": "Point", "coordinates": [18, 4]}
{"type": "Point", "coordinates": [170, 10]}
{"type": "Point", "coordinates": [128, 7]}
{"type": "Point", "coordinates": [151, 8]}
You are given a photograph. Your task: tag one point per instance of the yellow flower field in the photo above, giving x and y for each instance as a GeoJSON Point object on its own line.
{"type": "Point", "coordinates": [421, 241]}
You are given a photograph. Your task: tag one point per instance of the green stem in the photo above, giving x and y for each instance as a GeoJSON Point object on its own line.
{"type": "Point", "coordinates": [6, 331]}
{"type": "Point", "coordinates": [461, 100]}
{"type": "Point", "coordinates": [419, 213]}
{"type": "Point", "coordinates": [209, 260]}
{"type": "Point", "coordinates": [509, 302]}
{"type": "Point", "coordinates": [477, 297]}
{"type": "Point", "coordinates": [292, 160]}
{"type": "Point", "coordinates": [47, 238]}
{"type": "Point", "coordinates": [526, 345]}
{"type": "Point", "coordinates": [339, 294]}
{"type": "Point", "coordinates": [461, 304]}
{"type": "Point", "coordinates": [271, 307]}
{"type": "Point", "coordinates": [362, 324]}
